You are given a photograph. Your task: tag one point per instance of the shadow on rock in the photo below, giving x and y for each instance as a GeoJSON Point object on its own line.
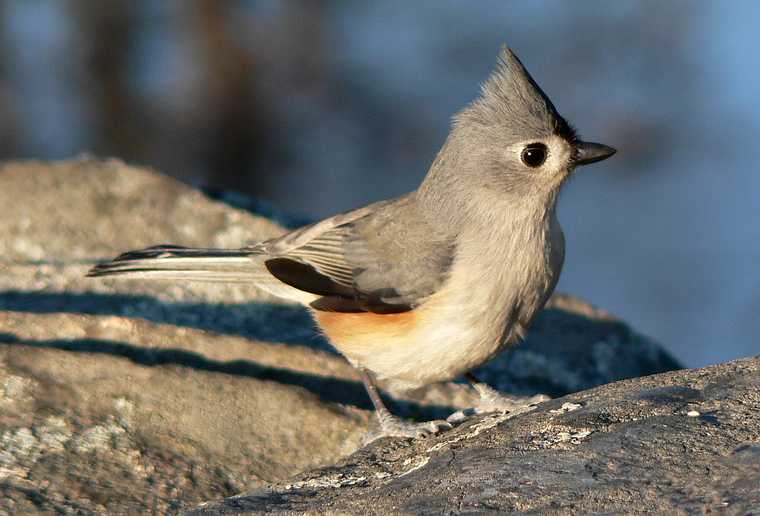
{"type": "Point", "coordinates": [329, 389]}
{"type": "Point", "coordinates": [260, 321]}
{"type": "Point", "coordinates": [565, 351]}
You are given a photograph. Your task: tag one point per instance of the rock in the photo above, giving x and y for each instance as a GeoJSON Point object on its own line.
{"type": "Point", "coordinates": [123, 415]}
{"type": "Point", "coordinates": [136, 396]}
{"type": "Point", "coordinates": [680, 442]}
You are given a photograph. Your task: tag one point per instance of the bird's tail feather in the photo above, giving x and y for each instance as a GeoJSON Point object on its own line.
{"type": "Point", "coordinates": [175, 262]}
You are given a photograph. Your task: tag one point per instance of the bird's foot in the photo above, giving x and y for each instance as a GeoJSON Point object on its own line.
{"type": "Point", "coordinates": [492, 400]}
{"type": "Point", "coordinates": [392, 426]}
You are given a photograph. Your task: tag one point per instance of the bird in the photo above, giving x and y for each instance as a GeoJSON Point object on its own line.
{"type": "Point", "coordinates": [427, 286]}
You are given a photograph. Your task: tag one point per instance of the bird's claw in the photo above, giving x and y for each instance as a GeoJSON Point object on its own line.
{"type": "Point", "coordinates": [493, 401]}
{"type": "Point", "coordinates": [392, 426]}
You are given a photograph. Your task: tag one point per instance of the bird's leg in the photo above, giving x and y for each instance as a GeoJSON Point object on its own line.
{"type": "Point", "coordinates": [392, 426]}
{"type": "Point", "coordinates": [492, 400]}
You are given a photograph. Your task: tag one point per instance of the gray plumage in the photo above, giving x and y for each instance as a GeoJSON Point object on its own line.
{"type": "Point", "coordinates": [471, 256]}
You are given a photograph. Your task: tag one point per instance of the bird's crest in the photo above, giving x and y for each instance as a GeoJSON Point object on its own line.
{"type": "Point", "coordinates": [511, 96]}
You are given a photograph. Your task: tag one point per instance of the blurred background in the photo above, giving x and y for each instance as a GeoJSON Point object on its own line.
{"type": "Point", "coordinates": [316, 107]}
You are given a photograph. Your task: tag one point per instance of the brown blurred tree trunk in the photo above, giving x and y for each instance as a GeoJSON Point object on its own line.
{"type": "Point", "coordinates": [236, 141]}
{"type": "Point", "coordinates": [12, 129]}
{"type": "Point", "coordinates": [245, 145]}
{"type": "Point", "coordinates": [108, 32]}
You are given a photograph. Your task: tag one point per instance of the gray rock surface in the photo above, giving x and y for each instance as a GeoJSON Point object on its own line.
{"type": "Point", "coordinates": [673, 443]}
{"type": "Point", "coordinates": [130, 396]}
{"type": "Point", "coordinates": [122, 415]}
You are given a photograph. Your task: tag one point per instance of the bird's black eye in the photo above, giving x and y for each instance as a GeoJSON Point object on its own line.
{"type": "Point", "coordinates": [534, 154]}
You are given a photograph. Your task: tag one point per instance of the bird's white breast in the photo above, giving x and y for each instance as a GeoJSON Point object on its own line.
{"type": "Point", "coordinates": [495, 289]}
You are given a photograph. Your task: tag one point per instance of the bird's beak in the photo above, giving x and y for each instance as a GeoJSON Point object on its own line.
{"type": "Point", "coordinates": [588, 152]}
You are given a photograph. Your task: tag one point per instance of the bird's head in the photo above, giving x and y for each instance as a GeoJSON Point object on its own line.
{"type": "Point", "coordinates": [511, 139]}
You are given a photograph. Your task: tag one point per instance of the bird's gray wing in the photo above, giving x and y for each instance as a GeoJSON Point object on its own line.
{"type": "Point", "coordinates": [382, 258]}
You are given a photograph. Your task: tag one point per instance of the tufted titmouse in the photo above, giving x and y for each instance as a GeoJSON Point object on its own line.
{"type": "Point", "coordinates": [427, 286]}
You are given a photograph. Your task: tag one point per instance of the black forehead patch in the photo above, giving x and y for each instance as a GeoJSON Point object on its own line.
{"type": "Point", "coordinates": [564, 130]}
